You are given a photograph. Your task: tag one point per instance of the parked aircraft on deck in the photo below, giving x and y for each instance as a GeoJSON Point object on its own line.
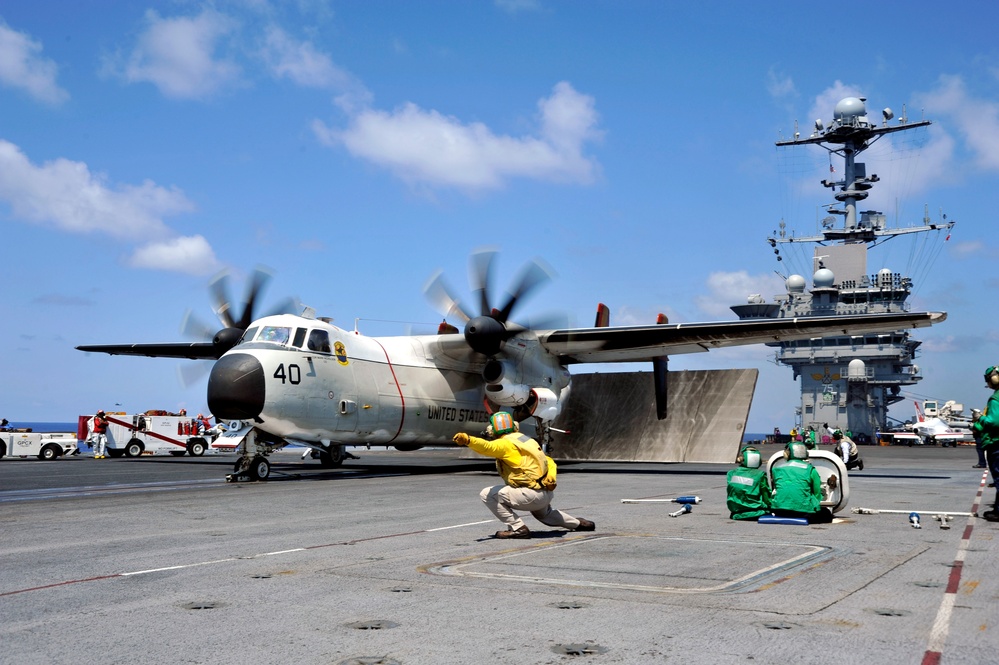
{"type": "Point", "coordinates": [935, 430]}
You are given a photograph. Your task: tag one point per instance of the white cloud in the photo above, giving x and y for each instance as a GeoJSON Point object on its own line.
{"type": "Point", "coordinates": [969, 248]}
{"type": "Point", "coordinates": [428, 148]}
{"type": "Point", "coordinates": [305, 66]}
{"type": "Point", "coordinates": [976, 120]}
{"type": "Point", "coordinates": [300, 62]}
{"type": "Point", "coordinates": [780, 86]}
{"type": "Point", "coordinates": [66, 194]}
{"type": "Point", "coordinates": [178, 55]}
{"type": "Point", "coordinates": [21, 66]}
{"type": "Point", "coordinates": [733, 288]}
{"type": "Point", "coordinates": [191, 254]}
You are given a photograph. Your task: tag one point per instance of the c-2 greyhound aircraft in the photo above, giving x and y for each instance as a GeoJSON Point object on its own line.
{"type": "Point", "coordinates": [300, 379]}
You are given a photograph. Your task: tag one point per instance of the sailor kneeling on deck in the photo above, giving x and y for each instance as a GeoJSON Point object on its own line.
{"type": "Point", "coordinates": [798, 487]}
{"type": "Point", "coordinates": [529, 475]}
{"type": "Point", "coordinates": [748, 488]}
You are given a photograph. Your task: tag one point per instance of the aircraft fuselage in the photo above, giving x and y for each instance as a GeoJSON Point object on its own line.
{"type": "Point", "coordinates": [353, 389]}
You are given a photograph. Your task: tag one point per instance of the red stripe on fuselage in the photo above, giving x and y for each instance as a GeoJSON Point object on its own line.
{"type": "Point", "coordinates": [402, 399]}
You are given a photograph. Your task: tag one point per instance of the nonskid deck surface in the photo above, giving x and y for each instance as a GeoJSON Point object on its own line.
{"type": "Point", "coordinates": [390, 559]}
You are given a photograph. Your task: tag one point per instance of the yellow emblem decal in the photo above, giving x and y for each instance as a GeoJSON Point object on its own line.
{"type": "Point", "coordinates": [340, 351]}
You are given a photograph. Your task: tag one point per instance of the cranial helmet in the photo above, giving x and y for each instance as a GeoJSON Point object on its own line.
{"type": "Point", "coordinates": [837, 434]}
{"type": "Point", "coordinates": [502, 423]}
{"type": "Point", "coordinates": [992, 377]}
{"type": "Point", "coordinates": [749, 457]}
{"type": "Point", "coordinates": [795, 450]}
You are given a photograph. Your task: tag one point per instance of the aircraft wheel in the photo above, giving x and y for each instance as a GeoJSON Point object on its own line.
{"type": "Point", "coordinates": [260, 468]}
{"type": "Point", "coordinates": [333, 458]}
{"type": "Point", "coordinates": [241, 465]}
{"type": "Point", "coordinates": [133, 448]}
{"type": "Point", "coordinates": [196, 447]}
{"type": "Point", "coordinates": [48, 452]}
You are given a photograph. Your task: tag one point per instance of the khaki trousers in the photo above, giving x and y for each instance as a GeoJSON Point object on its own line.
{"type": "Point", "coordinates": [502, 500]}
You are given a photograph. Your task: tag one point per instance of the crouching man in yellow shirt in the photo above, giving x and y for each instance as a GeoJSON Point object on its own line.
{"type": "Point", "coordinates": [528, 474]}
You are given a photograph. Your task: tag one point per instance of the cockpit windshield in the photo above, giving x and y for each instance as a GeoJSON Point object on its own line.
{"type": "Point", "coordinates": [249, 335]}
{"type": "Point", "coordinates": [276, 334]}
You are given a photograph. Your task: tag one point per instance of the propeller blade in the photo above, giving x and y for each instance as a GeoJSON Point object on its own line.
{"type": "Point", "coordinates": [190, 373]}
{"type": "Point", "coordinates": [531, 277]}
{"type": "Point", "coordinates": [441, 297]}
{"type": "Point", "coordinates": [194, 328]}
{"type": "Point", "coordinates": [480, 277]}
{"type": "Point", "coordinates": [219, 288]}
{"type": "Point", "coordinates": [287, 306]}
{"type": "Point", "coordinates": [549, 321]}
{"type": "Point", "coordinates": [257, 282]}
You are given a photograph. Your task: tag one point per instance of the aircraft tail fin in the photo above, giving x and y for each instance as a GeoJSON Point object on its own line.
{"type": "Point", "coordinates": [603, 316]}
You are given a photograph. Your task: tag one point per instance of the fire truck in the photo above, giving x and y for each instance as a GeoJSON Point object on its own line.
{"type": "Point", "coordinates": [152, 433]}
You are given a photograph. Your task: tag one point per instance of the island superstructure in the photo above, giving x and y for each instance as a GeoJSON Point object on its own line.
{"type": "Point", "coordinates": [847, 382]}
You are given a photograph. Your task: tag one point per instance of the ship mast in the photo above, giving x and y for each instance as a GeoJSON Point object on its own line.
{"type": "Point", "coordinates": [847, 382]}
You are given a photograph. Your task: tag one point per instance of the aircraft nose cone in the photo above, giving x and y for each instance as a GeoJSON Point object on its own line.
{"type": "Point", "coordinates": [236, 387]}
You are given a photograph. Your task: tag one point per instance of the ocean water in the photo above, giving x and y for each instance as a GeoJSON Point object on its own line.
{"type": "Point", "coordinates": [42, 426]}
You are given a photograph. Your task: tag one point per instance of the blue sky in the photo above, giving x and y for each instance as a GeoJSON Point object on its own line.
{"type": "Point", "coordinates": [356, 147]}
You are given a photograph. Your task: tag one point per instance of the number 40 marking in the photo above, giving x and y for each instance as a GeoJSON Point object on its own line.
{"type": "Point", "coordinates": [293, 375]}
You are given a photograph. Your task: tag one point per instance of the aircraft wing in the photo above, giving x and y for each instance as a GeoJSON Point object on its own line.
{"type": "Point", "coordinates": [192, 350]}
{"type": "Point", "coordinates": [637, 343]}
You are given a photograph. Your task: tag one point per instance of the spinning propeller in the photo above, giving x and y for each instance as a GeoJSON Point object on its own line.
{"type": "Point", "coordinates": [233, 326]}
{"type": "Point", "coordinates": [487, 332]}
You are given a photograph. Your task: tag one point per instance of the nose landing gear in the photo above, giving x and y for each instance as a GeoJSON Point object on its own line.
{"type": "Point", "coordinates": [247, 468]}
{"type": "Point", "coordinates": [252, 463]}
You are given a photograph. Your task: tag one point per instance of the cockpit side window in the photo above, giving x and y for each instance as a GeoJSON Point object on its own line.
{"type": "Point", "coordinates": [276, 334]}
{"type": "Point", "coordinates": [319, 340]}
{"type": "Point", "coordinates": [299, 338]}
{"type": "Point", "coordinates": [249, 334]}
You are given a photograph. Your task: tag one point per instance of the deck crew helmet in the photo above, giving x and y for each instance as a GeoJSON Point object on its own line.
{"type": "Point", "coordinates": [838, 435]}
{"type": "Point", "coordinates": [795, 450]}
{"type": "Point", "coordinates": [992, 377]}
{"type": "Point", "coordinates": [749, 457]}
{"type": "Point", "coordinates": [501, 423]}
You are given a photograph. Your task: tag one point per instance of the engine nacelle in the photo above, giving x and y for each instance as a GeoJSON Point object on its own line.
{"type": "Point", "coordinates": [545, 404]}
{"type": "Point", "coordinates": [503, 385]}
{"type": "Point", "coordinates": [508, 394]}
{"type": "Point", "coordinates": [496, 371]}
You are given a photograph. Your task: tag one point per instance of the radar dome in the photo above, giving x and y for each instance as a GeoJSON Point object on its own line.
{"type": "Point", "coordinates": [856, 370]}
{"type": "Point", "coordinates": [795, 284]}
{"type": "Point", "coordinates": [849, 108]}
{"type": "Point", "coordinates": [823, 278]}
